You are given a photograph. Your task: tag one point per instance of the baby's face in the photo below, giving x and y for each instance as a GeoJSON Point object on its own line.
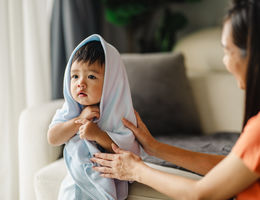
{"type": "Point", "coordinates": [86, 82]}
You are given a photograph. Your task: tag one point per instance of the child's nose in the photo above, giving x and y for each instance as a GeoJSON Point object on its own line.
{"type": "Point", "coordinates": [81, 84]}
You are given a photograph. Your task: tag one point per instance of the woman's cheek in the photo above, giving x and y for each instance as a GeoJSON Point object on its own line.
{"type": "Point", "coordinates": [226, 62]}
{"type": "Point", "coordinates": [225, 59]}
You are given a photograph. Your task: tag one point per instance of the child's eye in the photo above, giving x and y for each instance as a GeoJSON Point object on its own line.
{"type": "Point", "coordinates": [74, 76]}
{"type": "Point", "coordinates": [91, 77]}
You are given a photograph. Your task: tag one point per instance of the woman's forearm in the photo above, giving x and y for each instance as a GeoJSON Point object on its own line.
{"type": "Point", "coordinates": [228, 178]}
{"type": "Point", "coordinates": [174, 186]}
{"type": "Point", "coordinates": [197, 162]}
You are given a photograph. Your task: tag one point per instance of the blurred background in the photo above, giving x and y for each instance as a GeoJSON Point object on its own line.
{"type": "Point", "coordinates": [37, 38]}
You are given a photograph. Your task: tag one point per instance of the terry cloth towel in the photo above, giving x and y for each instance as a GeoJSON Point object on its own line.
{"type": "Point", "coordinates": [115, 104]}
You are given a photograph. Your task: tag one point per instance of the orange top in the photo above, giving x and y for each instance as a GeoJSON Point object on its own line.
{"type": "Point", "coordinates": [248, 149]}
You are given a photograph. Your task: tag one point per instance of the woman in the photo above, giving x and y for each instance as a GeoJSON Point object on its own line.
{"type": "Point", "coordinates": [237, 174]}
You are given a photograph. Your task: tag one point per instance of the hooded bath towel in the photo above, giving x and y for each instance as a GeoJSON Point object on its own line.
{"type": "Point", "coordinates": [115, 104]}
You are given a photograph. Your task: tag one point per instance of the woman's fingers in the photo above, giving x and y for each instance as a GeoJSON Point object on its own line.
{"type": "Point", "coordinates": [129, 125]}
{"type": "Point", "coordinates": [106, 156]}
{"type": "Point", "coordinates": [120, 165]}
{"type": "Point", "coordinates": [137, 117]}
{"type": "Point", "coordinates": [140, 123]}
{"type": "Point", "coordinates": [108, 175]}
{"type": "Point", "coordinates": [104, 170]}
{"type": "Point", "coordinates": [104, 163]}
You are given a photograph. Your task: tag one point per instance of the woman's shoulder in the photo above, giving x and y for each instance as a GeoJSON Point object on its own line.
{"type": "Point", "coordinates": [253, 124]}
{"type": "Point", "coordinates": [248, 145]}
{"type": "Point", "coordinates": [250, 136]}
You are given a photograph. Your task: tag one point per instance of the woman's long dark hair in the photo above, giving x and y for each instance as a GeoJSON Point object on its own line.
{"type": "Point", "coordinates": [245, 20]}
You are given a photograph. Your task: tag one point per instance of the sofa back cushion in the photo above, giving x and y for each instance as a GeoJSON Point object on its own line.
{"type": "Point", "coordinates": [161, 92]}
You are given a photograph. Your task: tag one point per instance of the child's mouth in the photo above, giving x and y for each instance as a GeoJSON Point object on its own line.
{"type": "Point", "coordinates": [81, 94]}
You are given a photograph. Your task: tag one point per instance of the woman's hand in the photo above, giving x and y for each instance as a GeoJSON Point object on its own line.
{"type": "Point", "coordinates": [142, 134]}
{"type": "Point", "coordinates": [122, 165]}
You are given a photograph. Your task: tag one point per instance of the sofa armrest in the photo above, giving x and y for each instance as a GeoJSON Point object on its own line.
{"type": "Point", "coordinates": [34, 150]}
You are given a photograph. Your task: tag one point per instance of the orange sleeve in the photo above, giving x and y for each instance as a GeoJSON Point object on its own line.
{"type": "Point", "coordinates": [248, 145]}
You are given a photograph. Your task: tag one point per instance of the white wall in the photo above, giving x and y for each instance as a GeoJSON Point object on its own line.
{"type": "Point", "coordinates": [202, 14]}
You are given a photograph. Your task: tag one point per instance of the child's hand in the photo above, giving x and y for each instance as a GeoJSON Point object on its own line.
{"type": "Point", "coordinates": [89, 113]}
{"type": "Point", "coordinates": [90, 131]}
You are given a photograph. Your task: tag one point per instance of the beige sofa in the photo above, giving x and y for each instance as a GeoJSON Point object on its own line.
{"type": "Point", "coordinates": [217, 98]}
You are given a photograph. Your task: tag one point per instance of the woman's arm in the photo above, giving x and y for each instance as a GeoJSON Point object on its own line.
{"type": "Point", "coordinates": [200, 163]}
{"type": "Point", "coordinates": [197, 162]}
{"type": "Point", "coordinates": [224, 181]}
{"type": "Point", "coordinates": [227, 179]}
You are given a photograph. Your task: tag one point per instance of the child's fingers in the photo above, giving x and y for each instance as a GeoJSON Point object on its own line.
{"type": "Point", "coordinates": [115, 147]}
{"type": "Point", "coordinates": [93, 115]}
{"type": "Point", "coordinates": [117, 150]}
{"type": "Point", "coordinates": [81, 128]}
{"type": "Point", "coordinates": [80, 121]}
{"type": "Point", "coordinates": [81, 136]}
{"type": "Point", "coordinates": [95, 109]}
{"type": "Point", "coordinates": [92, 108]}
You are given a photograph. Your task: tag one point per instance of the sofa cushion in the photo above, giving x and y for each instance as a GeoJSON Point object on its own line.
{"type": "Point", "coordinates": [161, 92]}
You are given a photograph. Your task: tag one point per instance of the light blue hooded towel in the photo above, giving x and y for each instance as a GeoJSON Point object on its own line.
{"type": "Point", "coordinates": [115, 104]}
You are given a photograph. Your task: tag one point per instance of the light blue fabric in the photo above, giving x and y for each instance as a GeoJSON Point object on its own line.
{"type": "Point", "coordinates": [115, 104]}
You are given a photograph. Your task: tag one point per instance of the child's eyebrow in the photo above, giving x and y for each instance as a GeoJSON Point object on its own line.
{"type": "Point", "coordinates": [90, 70]}
{"type": "Point", "coordinates": [74, 70]}
{"type": "Point", "coordinates": [95, 71]}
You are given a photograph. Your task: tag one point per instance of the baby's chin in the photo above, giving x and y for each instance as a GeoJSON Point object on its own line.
{"type": "Point", "coordinates": [88, 104]}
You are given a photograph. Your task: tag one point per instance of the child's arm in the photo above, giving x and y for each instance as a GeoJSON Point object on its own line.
{"type": "Point", "coordinates": [62, 132]}
{"type": "Point", "coordinates": [105, 141]}
{"type": "Point", "coordinates": [90, 131]}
